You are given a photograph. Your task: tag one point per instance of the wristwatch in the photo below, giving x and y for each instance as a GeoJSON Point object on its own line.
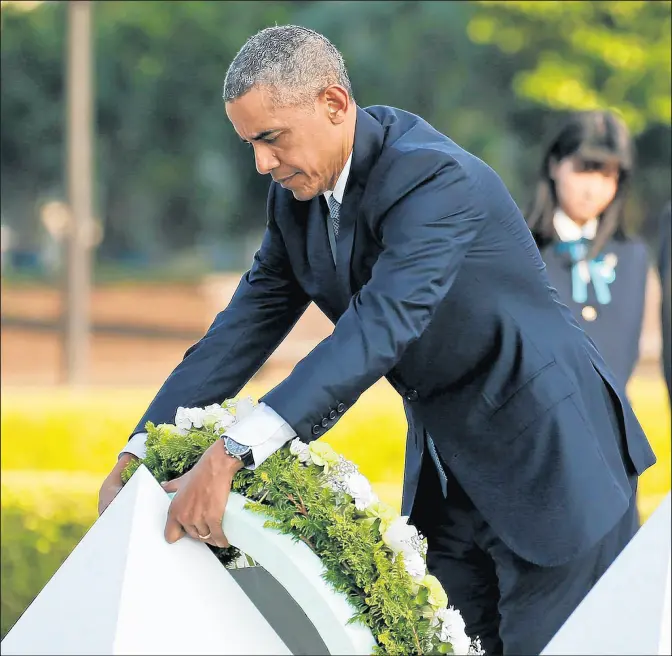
{"type": "Point", "coordinates": [238, 451]}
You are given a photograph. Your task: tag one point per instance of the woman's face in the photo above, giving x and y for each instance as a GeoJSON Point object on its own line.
{"type": "Point", "coordinates": [583, 194]}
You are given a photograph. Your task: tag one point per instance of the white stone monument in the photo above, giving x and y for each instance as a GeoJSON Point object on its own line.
{"type": "Point", "coordinates": [125, 590]}
{"type": "Point", "coordinates": [628, 609]}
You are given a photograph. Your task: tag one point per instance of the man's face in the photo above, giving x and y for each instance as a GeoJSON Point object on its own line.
{"type": "Point", "coordinates": [303, 148]}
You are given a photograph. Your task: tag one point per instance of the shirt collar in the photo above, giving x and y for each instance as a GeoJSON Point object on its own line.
{"type": "Point", "coordinates": [567, 230]}
{"type": "Point", "coordinates": [339, 187]}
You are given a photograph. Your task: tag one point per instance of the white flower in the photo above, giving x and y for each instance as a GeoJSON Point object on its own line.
{"type": "Point", "coordinates": [300, 450]}
{"type": "Point", "coordinates": [172, 430]}
{"type": "Point", "coordinates": [399, 535]}
{"type": "Point", "coordinates": [217, 417]}
{"type": "Point", "coordinates": [214, 409]}
{"type": "Point", "coordinates": [244, 407]}
{"type": "Point", "coordinates": [182, 420]}
{"type": "Point", "coordinates": [461, 644]}
{"type": "Point", "coordinates": [197, 415]}
{"type": "Point", "coordinates": [414, 564]}
{"type": "Point", "coordinates": [359, 488]}
{"type": "Point", "coordinates": [453, 630]}
{"type": "Point", "coordinates": [185, 418]}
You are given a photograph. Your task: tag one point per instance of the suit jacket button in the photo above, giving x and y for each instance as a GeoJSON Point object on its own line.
{"type": "Point", "coordinates": [341, 408]}
{"type": "Point", "coordinates": [332, 414]}
{"type": "Point", "coordinates": [325, 422]}
{"type": "Point", "coordinates": [316, 429]}
{"type": "Point", "coordinates": [411, 395]}
{"type": "Point", "coordinates": [589, 313]}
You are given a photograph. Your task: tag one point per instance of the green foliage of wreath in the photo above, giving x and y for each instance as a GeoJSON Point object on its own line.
{"type": "Point", "coordinates": [348, 541]}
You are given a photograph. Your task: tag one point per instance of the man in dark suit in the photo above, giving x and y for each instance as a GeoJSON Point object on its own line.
{"type": "Point", "coordinates": [522, 453]}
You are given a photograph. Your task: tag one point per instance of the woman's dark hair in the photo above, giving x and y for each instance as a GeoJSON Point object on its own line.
{"type": "Point", "coordinates": [596, 140]}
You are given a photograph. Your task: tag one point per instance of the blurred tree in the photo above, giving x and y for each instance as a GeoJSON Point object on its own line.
{"type": "Point", "coordinates": [585, 55]}
{"type": "Point", "coordinates": [32, 114]}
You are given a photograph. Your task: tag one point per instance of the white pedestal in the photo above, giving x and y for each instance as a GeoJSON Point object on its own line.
{"type": "Point", "coordinates": [125, 590]}
{"type": "Point", "coordinates": [628, 610]}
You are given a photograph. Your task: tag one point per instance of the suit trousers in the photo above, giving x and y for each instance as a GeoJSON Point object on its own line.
{"type": "Point", "coordinates": [514, 606]}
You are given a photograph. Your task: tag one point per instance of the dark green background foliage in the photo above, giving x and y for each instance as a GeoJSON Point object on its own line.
{"type": "Point", "coordinates": [171, 174]}
{"type": "Point", "coordinates": [33, 548]}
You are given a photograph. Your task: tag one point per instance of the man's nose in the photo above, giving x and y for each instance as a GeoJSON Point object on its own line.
{"type": "Point", "coordinates": [264, 159]}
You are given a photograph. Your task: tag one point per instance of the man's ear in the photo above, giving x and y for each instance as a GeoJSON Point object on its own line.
{"type": "Point", "coordinates": [337, 102]}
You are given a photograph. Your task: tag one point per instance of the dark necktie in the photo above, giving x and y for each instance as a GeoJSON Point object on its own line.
{"type": "Point", "coordinates": [334, 211]}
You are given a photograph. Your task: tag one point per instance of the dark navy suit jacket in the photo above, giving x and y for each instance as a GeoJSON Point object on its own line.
{"type": "Point", "coordinates": [438, 286]}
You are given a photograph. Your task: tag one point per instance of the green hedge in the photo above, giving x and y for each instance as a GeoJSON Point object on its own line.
{"type": "Point", "coordinates": [43, 517]}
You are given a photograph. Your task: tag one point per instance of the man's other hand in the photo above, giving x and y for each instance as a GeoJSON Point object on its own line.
{"type": "Point", "coordinates": [197, 509]}
{"type": "Point", "coordinates": [112, 484]}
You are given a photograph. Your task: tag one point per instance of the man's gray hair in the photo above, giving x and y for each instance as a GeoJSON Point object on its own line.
{"type": "Point", "coordinates": [295, 63]}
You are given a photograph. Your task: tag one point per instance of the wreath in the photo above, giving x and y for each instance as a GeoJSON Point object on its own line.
{"type": "Point", "coordinates": [370, 553]}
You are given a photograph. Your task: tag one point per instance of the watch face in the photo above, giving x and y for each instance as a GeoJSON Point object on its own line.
{"type": "Point", "coordinates": [235, 448]}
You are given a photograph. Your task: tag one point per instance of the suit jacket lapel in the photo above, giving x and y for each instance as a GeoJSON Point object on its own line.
{"type": "Point", "coordinates": [367, 146]}
{"type": "Point", "coordinates": [319, 254]}
{"type": "Point", "coordinates": [346, 240]}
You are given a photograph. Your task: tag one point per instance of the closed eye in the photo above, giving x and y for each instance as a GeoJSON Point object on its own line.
{"type": "Point", "coordinates": [266, 140]}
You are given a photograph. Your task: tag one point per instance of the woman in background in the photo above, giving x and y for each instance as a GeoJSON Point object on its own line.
{"type": "Point", "coordinates": [576, 218]}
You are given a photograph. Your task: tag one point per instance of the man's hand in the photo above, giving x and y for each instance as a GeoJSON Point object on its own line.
{"type": "Point", "coordinates": [112, 484]}
{"type": "Point", "coordinates": [201, 495]}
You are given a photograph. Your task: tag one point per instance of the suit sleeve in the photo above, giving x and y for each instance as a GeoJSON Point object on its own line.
{"type": "Point", "coordinates": [265, 307]}
{"type": "Point", "coordinates": [425, 236]}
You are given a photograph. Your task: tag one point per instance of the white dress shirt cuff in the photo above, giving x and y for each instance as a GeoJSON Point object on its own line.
{"type": "Point", "coordinates": [264, 430]}
{"type": "Point", "coordinates": [136, 446]}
